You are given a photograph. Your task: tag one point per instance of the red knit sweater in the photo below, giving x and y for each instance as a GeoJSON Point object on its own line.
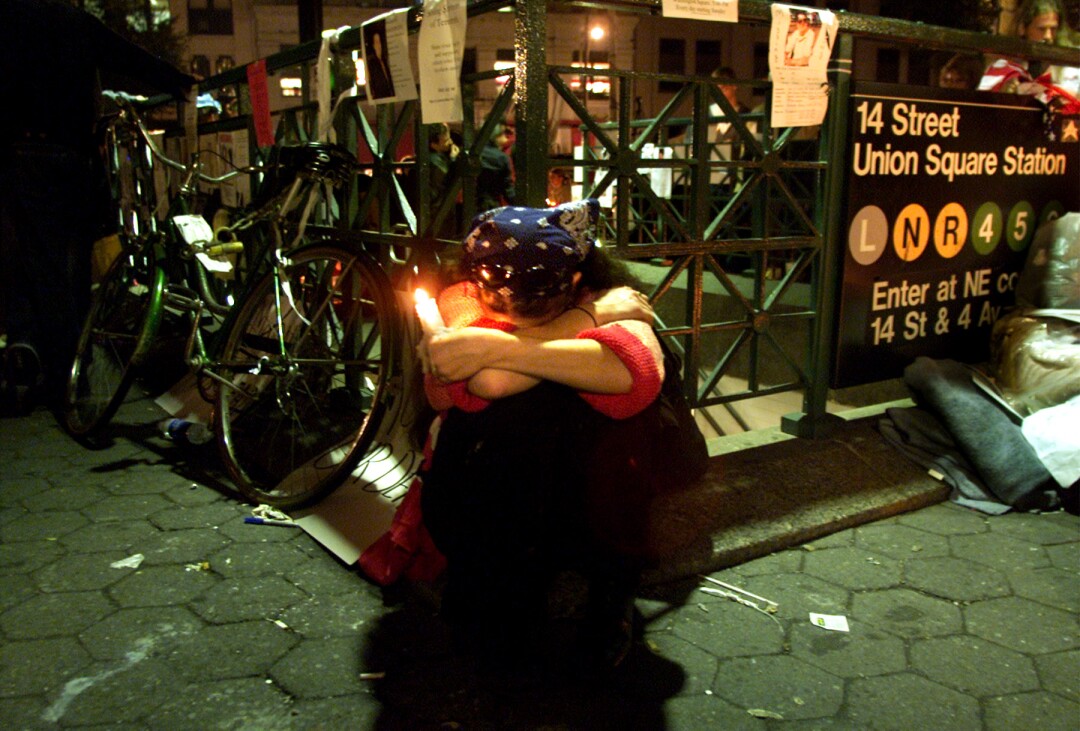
{"type": "Point", "coordinates": [633, 342]}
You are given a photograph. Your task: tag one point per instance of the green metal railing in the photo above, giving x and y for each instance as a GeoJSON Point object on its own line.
{"type": "Point", "coordinates": [773, 324]}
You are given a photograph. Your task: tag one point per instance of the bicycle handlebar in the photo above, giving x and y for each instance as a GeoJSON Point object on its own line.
{"type": "Point", "coordinates": [128, 103]}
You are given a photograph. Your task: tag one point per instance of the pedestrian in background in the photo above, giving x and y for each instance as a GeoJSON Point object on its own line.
{"type": "Point", "coordinates": [1037, 21]}
{"type": "Point", "coordinates": [495, 181]}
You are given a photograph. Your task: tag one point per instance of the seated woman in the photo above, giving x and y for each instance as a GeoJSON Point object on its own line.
{"type": "Point", "coordinates": [532, 367]}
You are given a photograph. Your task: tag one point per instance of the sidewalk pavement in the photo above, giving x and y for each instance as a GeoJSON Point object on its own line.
{"type": "Point", "coordinates": [956, 620]}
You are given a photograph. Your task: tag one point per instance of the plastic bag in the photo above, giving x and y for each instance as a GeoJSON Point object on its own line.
{"type": "Point", "coordinates": [1051, 276]}
{"type": "Point", "coordinates": [1036, 360]}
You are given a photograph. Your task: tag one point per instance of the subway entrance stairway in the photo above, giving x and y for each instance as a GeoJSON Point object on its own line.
{"type": "Point", "coordinates": [956, 620]}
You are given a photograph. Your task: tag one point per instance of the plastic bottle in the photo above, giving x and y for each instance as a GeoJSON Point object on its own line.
{"type": "Point", "coordinates": [185, 432]}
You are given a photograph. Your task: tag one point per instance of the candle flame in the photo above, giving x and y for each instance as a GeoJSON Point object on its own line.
{"type": "Point", "coordinates": [421, 295]}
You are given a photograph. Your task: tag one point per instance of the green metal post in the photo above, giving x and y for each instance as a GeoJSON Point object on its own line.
{"type": "Point", "coordinates": [530, 90]}
{"type": "Point", "coordinates": [814, 421]}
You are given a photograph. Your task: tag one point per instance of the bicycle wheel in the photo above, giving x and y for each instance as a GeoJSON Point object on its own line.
{"type": "Point", "coordinates": [125, 313]}
{"type": "Point", "coordinates": [307, 396]}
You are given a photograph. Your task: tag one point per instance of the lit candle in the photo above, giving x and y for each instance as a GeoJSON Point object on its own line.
{"type": "Point", "coordinates": [427, 310]}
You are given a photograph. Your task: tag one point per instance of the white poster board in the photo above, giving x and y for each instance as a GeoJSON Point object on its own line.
{"type": "Point", "coordinates": [440, 51]}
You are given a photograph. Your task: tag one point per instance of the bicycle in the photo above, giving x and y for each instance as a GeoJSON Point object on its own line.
{"type": "Point", "coordinates": [127, 306]}
{"type": "Point", "coordinates": [300, 365]}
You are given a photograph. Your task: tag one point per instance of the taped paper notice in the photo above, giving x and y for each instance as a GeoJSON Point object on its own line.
{"type": "Point", "coordinates": [386, 58]}
{"type": "Point", "coordinates": [724, 11]}
{"type": "Point", "coordinates": [800, 43]}
{"type": "Point", "coordinates": [441, 50]}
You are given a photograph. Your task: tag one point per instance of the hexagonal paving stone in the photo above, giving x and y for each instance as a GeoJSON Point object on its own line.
{"type": "Point", "coordinates": [241, 703]}
{"type": "Point", "coordinates": [26, 557]}
{"type": "Point", "coordinates": [141, 479]}
{"type": "Point", "coordinates": [320, 669]}
{"type": "Point", "coordinates": [43, 527]}
{"type": "Point", "coordinates": [974, 666]}
{"type": "Point", "coordinates": [798, 594]}
{"type": "Point", "coordinates": [727, 629]}
{"type": "Point", "coordinates": [189, 546]}
{"type": "Point", "coordinates": [37, 667]}
{"type": "Point", "coordinates": [200, 516]}
{"type": "Point", "coordinates": [853, 568]}
{"type": "Point", "coordinates": [700, 711]}
{"type": "Point", "coordinates": [254, 559]}
{"type": "Point", "coordinates": [63, 498]}
{"type": "Point", "coordinates": [781, 561]}
{"type": "Point", "coordinates": [54, 615]}
{"type": "Point", "coordinates": [15, 589]}
{"type": "Point", "coordinates": [231, 650]}
{"type": "Point", "coordinates": [191, 494]}
{"type": "Point", "coordinates": [82, 572]}
{"type": "Point", "coordinates": [126, 507]}
{"type": "Point", "coordinates": [260, 597]}
{"type": "Point", "coordinates": [1060, 673]}
{"type": "Point", "coordinates": [16, 489]}
{"type": "Point", "coordinates": [25, 712]}
{"type": "Point", "coordinates": [114, 693]}
{"type": "Point", "coordinates": [1065, 556]}
{"type": "Point", "coordinates": [321, 577]}
{"type": "Point", "coordinates": [1043, 711]}
{"type": "Point", "coordinates": [838, 539]}
{"type": "Point", "coordinates": [1022, 625]}
{"type": "Point", "coordinates": [1042, 530]}
{"type": "Point", "coordinates": [10, 515]}
{"type": "Point", "coordinates": [1056, 587]}
{"type": "Point", "coordinates": [862, 653]}
{"type": "Point", "coordinates": [900, 541]}
{"type": "Point", "coordinates": [124, 632]}
{"type": "Point", "coordinates": [126, 536]}
{"type": "Point", "coordinates": [330, 616]}
{"type": "Point", "coordinates": [906, 613]}
{"type": "Point", "coordinates": [946, 519]}
{"type": "Point", "coordinates": [999, 551]}
{"type": "Point", "coordinates": [156, 586]}
{"type": "Point", "coordinates": [699, 665]}
{"type": "Point", "coordinates": [781, 684]}
{"type": "Point", "coordinates": [906, 701]}
{"type": "Point", "coordinates": [954, 578]}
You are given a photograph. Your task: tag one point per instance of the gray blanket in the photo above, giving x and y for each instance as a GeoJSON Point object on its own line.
{"type": "Point", "coordinates": [988, 460]}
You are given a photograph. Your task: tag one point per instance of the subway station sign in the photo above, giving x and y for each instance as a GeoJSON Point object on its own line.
{"type": "Point", "coordinates": [945, 192]}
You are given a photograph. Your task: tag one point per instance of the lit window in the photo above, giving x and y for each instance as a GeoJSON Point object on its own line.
{"type": "Point", "coordinates": [504, 60]}
{"type": "Point", "coordinates": [292, 86]}
{"type": "Point", "coordinates": [596, 86]}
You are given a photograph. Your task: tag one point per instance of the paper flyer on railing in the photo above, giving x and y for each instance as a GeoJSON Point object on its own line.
{"type": "Point", "coordinates": [800, 43]}
{"type": "Point", "coordinates": [724, 11]}
{"type": "Point", "coordinates": [440, 51]}
{"type": "Point", "coordinates": [386, 58]}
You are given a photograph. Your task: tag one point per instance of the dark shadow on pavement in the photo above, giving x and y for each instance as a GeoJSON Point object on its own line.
{"type": "Point", "coordinates": [430, 683]}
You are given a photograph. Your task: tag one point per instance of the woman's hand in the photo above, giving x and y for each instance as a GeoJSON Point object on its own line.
{"type": "Point", "coordinates": [620, 303]}
{"type": "Point", "coordinates": [454, 355]}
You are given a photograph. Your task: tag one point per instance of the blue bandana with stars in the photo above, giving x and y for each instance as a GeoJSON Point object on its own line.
{"type": "Point", "coordinates": [526, 253]}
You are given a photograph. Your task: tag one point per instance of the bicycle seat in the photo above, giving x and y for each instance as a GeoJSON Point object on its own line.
{"type": "Point", "coordinates": [324, 160]}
